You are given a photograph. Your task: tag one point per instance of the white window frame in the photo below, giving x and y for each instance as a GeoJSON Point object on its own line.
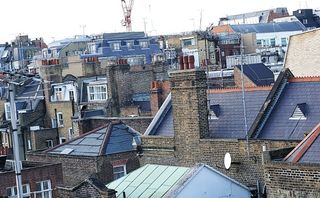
{"type": "Point", "coordinates": [116, 46]}
{"type": "Point", "coordinates": [7, 108]}
{"type": "Point", "coordinates": [70, 133]}
{"type": "Point", "coordinates": [144, 44]}
{"type": "Point", "coordinates": [58, 93]}
{"type": "Point", "coordinates": [43, 191]}
{"type": "Point", "coordinates": [97, 95]}
{"type": "Point", "coordinates": [60, 119]}
{"type": "Point", "coordinates": [54, 123]}
{"type": "Point", "coordinates": [62, 140]}
{"type": "Point", "coordinates": [284, 42]}
{"type": "Point", "coordinates": [14, 193]}
{"type": "Point", "coordinates": [29, 145]}
{"type": "Point", "coordinates": [118, 172]}
{"type": "Point", "coordinates": [49, 143]}
{"type": "Point", "coordinates": [130, 45]}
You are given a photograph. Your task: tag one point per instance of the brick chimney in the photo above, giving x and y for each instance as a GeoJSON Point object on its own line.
{"type": "Point", "coordinates": [190, 114]}
{"type": "Point", "coordinates": [119, 86]}
{"type": "Point", "coordinates": [158, 92]}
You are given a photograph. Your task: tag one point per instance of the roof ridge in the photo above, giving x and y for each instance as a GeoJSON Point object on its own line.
{"type": "Point", "coordinates": [236, 89]}
{"type": "Point", "coordinates": [304, 79]}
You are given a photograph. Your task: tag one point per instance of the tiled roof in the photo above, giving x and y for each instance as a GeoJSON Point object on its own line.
{"type": "Point", "coordinates": [308, 150]}
{"type": "Point", "coordinates": [123, 35]}
{"type": "Point", "coordinates": [269, 27]}
{"type": "Point", "coordinates": [113, 138]}
{"type": "Point", "coordinates": [279, 125]}
{"type": "Point", "coordinates": [258, 73]}
{"type": "Point", "coordinates": [230, 123]}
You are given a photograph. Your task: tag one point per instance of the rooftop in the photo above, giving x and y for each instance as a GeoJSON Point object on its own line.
{"type": "Point", "coordinates": [115, 137]}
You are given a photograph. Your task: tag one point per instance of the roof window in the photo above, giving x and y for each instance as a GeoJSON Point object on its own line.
{"type": "Point", "coordinates": [214, 112]}
{"type": "Point", "coordinates": [300, 112]}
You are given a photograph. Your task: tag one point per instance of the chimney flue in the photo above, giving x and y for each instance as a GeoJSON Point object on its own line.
{"type": "Point", "coordinates": [191, 62]}
{"type": "Point", "coordinates": [181, 63]}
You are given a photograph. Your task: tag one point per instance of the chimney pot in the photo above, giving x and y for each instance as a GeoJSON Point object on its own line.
{"type": "Point", "coordinates": [191, 62]}
{"type": "Point", "coordinates": [185, 62]}
{"type": "Point", "coordinates": [181, 63]}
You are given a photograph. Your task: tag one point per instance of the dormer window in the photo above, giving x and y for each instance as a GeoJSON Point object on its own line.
{"type": "Point", "coordinates": [300, 112]}
{"type": "Point", "coordinates": [214, 112]}
{"type": "Point", "coordinates": [115, 46]}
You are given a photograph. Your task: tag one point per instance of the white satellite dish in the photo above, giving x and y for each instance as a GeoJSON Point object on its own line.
{"type": "Point", "coordinates": [227, 161]}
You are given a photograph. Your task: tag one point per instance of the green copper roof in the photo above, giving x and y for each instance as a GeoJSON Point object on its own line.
{"type": "Point", "coordinates": [148, 181]}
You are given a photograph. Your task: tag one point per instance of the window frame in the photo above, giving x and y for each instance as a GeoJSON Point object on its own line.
{"type": "Point", "coordinates": [103, 94]}
{"type": "Point", "coordinates": [144, 44]}
{"type": "Point", "coordinates": [49, 143]}
{"type": "Point", "coordinates": [42, 191]}
{"type": "Point", "coordinates": [284, 42]}
{"type": "Point", "coordinates": [60, 122]}
{"type": "Point", "coordinates": [116, 46]}
{"type": "Point", "coordinates": [116, 173]}
{"type": "Point", "coordinates": [7, 110]}
{"type": "Point", "coordinates": [14, 192]}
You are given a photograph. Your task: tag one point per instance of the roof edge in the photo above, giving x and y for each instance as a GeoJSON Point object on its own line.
{"type": "Point", "coordinates": [238, 89]}
{"type": "Point", "coordinates": [304, 79]}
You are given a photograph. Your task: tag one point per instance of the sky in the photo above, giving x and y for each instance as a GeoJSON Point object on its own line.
{"type": "Point", "coordinates": [58, 19]}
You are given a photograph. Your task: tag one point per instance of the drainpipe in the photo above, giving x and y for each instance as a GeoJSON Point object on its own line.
{"type": "Point", "coordinates": [57, 128]}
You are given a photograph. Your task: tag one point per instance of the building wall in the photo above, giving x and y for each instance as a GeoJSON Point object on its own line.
{"type": "Point", "coordinates": [191, 143]}
{"type": "Point", "coordinates": [74, 66]}
{"type": "Point", "coordinates": [31, 175]}
{"type": "Point", "coordinates": [76, 169]}
{"type": "Point", "coordinates": [39, 138]}
{"type": "Point", "coordinates": [292, 180]}
{"type": "Point", "coordinates": [66, 108]}
{"type": "Point", "coordinates": [303, 57]}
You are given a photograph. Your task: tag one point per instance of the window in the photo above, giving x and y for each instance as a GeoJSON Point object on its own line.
{"type": "Point", "coordinates": [284, 42]}
{"type": "Point", "coordinates": [29, 144]}
{"type": "Point", "coordinates": [43, 189]}
{"type": "Point", "coordinates": [115, 46]}
{"type": "Point", "coordinates": [54, 122]}
{"type": "Point", "coordinates": [259, 42]}
{"type": "Point", "coordinates": [305, 21]}
{"type": "Point", "coordinates": [130, 45]}
{"type": "Point", "coordinates": [12, 191]}
{"type": "Point", "coordinates": [71, 95]}
{"type": "Point", "coordinates": [273, 42]}
{"type": "Point", "coordinates": [71, 134]}
{"type": "Point", "coordinates": [188, 42]}
{"type": "Point", "coordinates": [119, 171]}
{"type": "Point", "coordinates": [7, 110]}
{"type": "Point", "coordinates": [62, 140]}
{"type": "Point", "coordinates": [49, 143]}
{"type": "Point", "coordinates": [144, 44]}
{"type": "Point", "coordinates": [60, 119]}
{"type": "Point", "coordinates": [97, 92]}
{"type": "Point", "coordinates": [58, 93]}
{"type": "Point", "coordinates": [214, 112]}
{"type": "Point", "coordinates": [300, 112]}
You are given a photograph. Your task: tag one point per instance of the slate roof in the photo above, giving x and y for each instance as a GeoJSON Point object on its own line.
{"type": "Point", "coordinates": [279, 126]}
{"type": "Point", "coordinates": [92, 113]}
{"type": "Point", "coordinates": [269, 27]}
{"type": "Point", "coordinates": [116, 137]}
{"type": "Point", "coordinates": [32, 90]}
{"type": "Point", "coordinates": [308, 150]}
{"type": "Point", "coordinates": [258, 73]}
{"type": "Point", "coordinates": [230, 123]}
{"type": "Point", "coordinates": [123, 35]}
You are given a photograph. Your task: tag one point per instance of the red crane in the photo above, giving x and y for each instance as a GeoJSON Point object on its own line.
{"type": "Point", "coordinates": [127, 8]}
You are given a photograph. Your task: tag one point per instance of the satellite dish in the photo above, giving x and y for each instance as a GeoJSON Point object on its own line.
{"type": "Point", "coordinates": [227, 161]}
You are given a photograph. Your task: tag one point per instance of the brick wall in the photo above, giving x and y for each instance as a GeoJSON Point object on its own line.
{"type": "Point", "coordinates": [139, 124]}
{"type": "Point", "coordinates": [34, 172]}
{"type": "Point", "coordinates": [78, 168]}
{"type": "Point", "coordinates": [292, 180]}
{"type": "Point", "coordinates": [163, 150]}
{"type": "Point", "coordinates": [65, 107]}
{"type": "Point", "coordinates": [39, 138]}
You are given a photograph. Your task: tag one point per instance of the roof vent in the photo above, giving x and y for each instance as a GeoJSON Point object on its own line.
{"type": "Point", "coordinates": [214, 111]}
{"type": "Point", "coordinates": [66, 151]}
{"type": "Point", "coordinates": [300, 112]}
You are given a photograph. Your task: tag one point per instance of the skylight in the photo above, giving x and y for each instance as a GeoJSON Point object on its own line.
{"type": "Point", "coordinates": [66, 151]}
{"type": "Point", "coordinates": [214, 112]}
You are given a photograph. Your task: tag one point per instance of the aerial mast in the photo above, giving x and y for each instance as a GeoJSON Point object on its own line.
{"type": "Point", "coordinates": [127, 9]}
